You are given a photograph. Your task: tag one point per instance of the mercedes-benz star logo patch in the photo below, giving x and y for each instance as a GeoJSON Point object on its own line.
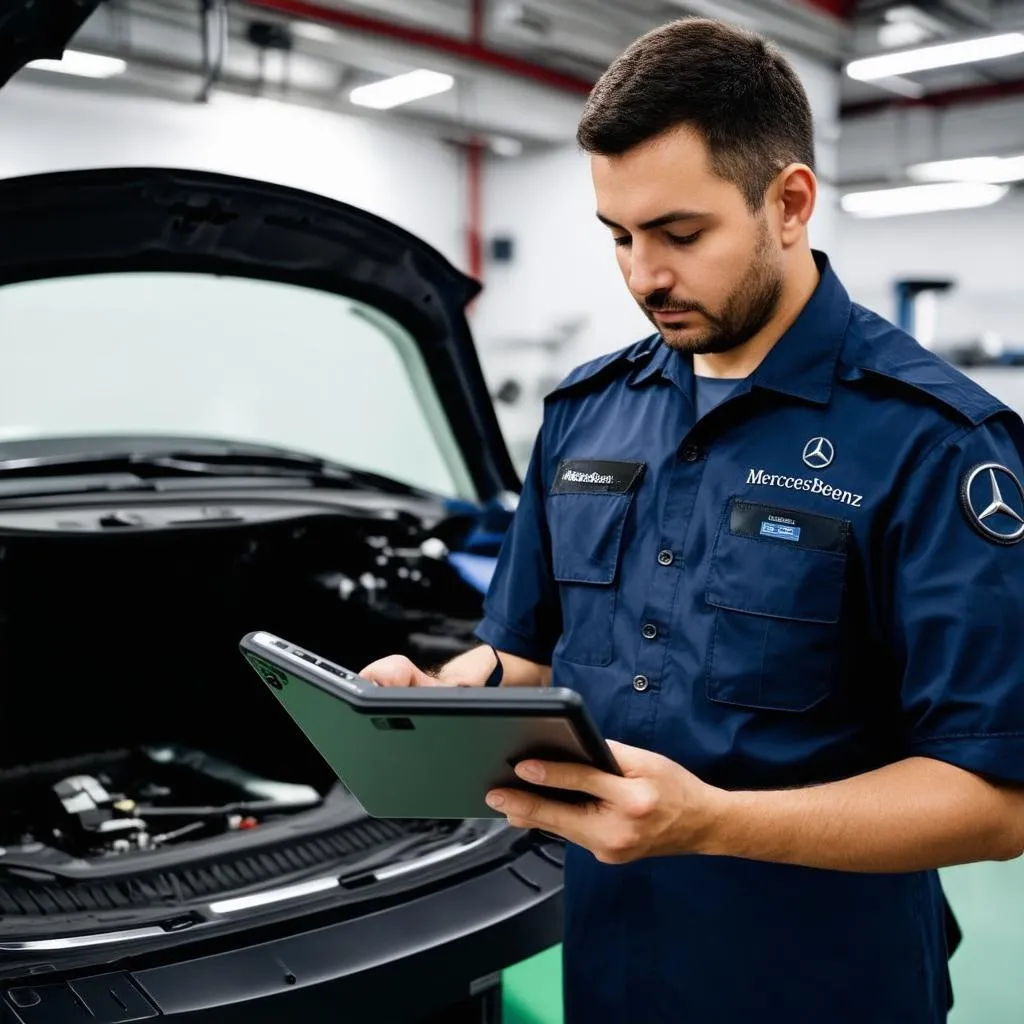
{"type": "Point", "coordinates": [993, 500]}
{"type": "Point", "coordinates": [819, 453]}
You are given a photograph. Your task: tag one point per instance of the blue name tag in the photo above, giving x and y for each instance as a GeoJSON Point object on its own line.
{"type": "Point", "coordinates": [780, 532]}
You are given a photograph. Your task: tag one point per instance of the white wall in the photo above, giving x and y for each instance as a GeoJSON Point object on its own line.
{"type": "Point", "coordinates": [564, 269]}
{"type": "Point", "coordinates": [980, 249]}
{"type": "Point", "coordinates": [882, 144]}
{"type": "Point", "coordinates": [413, 181]}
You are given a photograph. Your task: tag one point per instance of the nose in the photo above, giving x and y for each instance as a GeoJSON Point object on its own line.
{"type": "Point", "coordinates": [647, 271]}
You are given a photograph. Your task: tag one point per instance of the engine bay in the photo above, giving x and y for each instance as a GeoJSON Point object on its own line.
{"type": "Point", "coordinates": [115, 639]}
{"type": "Point", "coordinates": [133, 732]}
{"type": "Point", "coordinates": [112, 804]}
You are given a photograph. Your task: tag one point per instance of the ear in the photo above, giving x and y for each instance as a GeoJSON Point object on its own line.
{"type": "Point", "coordinates": [794, 194]}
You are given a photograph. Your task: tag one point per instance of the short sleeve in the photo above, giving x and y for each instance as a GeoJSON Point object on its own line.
{"type": "Point", "coordinates": [522, 614]}
{"type": "Point", "coordinates": [956, 603]}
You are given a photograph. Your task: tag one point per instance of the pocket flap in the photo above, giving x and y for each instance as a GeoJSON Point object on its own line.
{"type": "Point", "coordinates": [586, 532]}
{"type": "Point", "coordinates": [783, 563]}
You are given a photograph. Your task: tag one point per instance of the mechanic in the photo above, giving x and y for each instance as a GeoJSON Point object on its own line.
{"type": "Point", "coordinates": [776, 547]}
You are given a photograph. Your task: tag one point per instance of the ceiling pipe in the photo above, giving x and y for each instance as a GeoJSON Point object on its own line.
{"type": "Point", "coordinates": [470, 50]}
{"type": "Point", "coordinates": [475, 168]}
{"type": "Point", "coordinates": [215, 32]}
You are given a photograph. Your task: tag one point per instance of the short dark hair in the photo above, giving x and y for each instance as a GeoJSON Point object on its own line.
{"type": "Point", "coordinates": [734, 87]}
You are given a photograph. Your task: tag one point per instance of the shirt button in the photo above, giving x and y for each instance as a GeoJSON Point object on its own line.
{"type": "Point", "coordinates": [640, 683]}
{"type": "Point", "coordinates": [666, 557]}
{"type": "Point", "coordinates": [691, 453]}
{"type": "Point", "coordinates": [650, 631]}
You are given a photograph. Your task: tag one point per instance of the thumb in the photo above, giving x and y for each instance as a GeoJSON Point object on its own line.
{"type": "Point", "coordinates": [630, 759]}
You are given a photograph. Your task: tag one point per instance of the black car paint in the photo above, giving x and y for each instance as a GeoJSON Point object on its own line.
{"type": "Point", "coordinates": [36, 29]}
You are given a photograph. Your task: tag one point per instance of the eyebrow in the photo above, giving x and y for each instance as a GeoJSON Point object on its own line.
{"type": "Point", "coordinates": [658, 222]}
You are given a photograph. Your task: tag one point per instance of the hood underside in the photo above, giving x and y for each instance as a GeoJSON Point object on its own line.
{"type": "Point", "coordinates": [37, 29]}
{"type": "Point", "coordinates": [159, 220]}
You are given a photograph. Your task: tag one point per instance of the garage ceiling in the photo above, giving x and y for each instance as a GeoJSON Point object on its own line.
{"type": "Point", "coordinates": [522, 67]}
{"type": "Point", "coordinates": [877, 23]}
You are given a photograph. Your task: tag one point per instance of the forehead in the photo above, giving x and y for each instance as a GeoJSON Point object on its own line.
{"type": "Point", "coordinates": [670, 171]}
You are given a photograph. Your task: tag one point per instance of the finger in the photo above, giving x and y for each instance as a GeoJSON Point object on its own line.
{"type": "Point", "coordinates": [395, 671]}
{"type": "Point", "coordinates": [529, 811]}
{"type": "Point", "coordinates": [387, 672]}
{"type": "Point", "coordinates": [562, 775]}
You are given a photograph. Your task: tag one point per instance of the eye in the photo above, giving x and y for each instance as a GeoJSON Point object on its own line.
{"type": "Point", "coordinates": [685, 239]}
{"type": "Point", "coordinates": [623, 240]}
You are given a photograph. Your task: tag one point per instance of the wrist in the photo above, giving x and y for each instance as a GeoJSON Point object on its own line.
{"type": "Point", "coordinates": [477, 667]}
{"type": "Point", "coordinates": [709, 836]}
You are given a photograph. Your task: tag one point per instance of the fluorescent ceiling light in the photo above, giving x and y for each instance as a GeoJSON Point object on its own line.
{"type": "Point", "coordinates": [392, 92]}
{"type": "Point", "coordinates": [315, 32]}
{"type": "Point", "coordinates": [86, 65]}
{"type": "Point", "coordinates": [901, 33]}
{"type": "Point", "coordinates": [895, 202]}
{"type": "Point", "coordinates": [993, 170]}
{"type": "Point", "coordinates": [502, 145]}
{"type": "Point", "coordinates": [944, 55]}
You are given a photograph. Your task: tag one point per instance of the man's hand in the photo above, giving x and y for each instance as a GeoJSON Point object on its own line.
{"type": "Point", "coordinates": [915, 815]}
{"type": "Point", "coordinates": [469, 669]}
{"type": "Point", "coordinates": [656, 809]}
{"type": "Point", "coordinates": [397, 670]}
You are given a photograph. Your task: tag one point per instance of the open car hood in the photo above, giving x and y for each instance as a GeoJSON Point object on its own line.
{"type": "Point", "coordinates": [147, 219]}
{"type": "Point", "coordinates": [36, 29]}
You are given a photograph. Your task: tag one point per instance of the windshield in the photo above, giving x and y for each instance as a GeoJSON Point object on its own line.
{"type": "Point", "coordinates": [227, 358]}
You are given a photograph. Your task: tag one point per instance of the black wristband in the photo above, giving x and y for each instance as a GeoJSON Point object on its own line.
{"type": "Point", "coordinates": [494, 679]}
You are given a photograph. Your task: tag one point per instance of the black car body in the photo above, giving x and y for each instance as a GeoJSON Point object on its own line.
{"type": "Point", "coordinates": [170, 845]}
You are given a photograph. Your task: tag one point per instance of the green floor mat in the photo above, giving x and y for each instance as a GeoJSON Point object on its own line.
{"type": "Point", "coordinates": [533, 990]}
{"type": "Point", "coordinates": [988, 900]}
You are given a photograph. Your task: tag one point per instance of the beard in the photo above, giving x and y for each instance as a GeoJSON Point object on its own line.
{"type": "Point", "coordinates": [748, 309]}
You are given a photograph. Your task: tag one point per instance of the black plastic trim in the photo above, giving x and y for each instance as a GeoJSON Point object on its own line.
{"type": "Point", "coordinates": [387, 966]}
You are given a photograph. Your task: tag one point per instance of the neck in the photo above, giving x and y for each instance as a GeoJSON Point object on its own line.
{"type": "Point", "coordinates": [801, 280]}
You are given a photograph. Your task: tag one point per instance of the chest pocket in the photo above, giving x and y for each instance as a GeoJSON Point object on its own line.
{"type": "Point", "coordinates": [586, 543]}
{"type": "Point", "coordinates": [776, 582]}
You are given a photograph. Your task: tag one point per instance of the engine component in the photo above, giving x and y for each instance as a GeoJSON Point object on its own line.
{"type": "Point", "coordinates": [133, 801]}
{"type": "Point", "coordinates": [93, 820]}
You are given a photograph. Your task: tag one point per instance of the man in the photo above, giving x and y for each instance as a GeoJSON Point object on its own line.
{"type": "Point", "coordinates": [775, 546]}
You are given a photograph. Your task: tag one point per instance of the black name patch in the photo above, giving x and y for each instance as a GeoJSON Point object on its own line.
{"type": "Point", "coordinates": [789, 526]}
{"type": "Point", "coordinates": [596, 476]}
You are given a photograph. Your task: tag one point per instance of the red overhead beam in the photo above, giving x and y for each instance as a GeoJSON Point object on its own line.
{"type": "Point", "coordinates": [841, 9]}
{"type": "Point", "coordinates": [948, 98]}
{"type": "Point", "coordinates": [466, 49]}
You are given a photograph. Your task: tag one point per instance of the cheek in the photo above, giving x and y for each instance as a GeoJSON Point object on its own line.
{"type": "Point", "coordinates": [708, 273]}
{"type": "Point", "coordinates": [622, 258]}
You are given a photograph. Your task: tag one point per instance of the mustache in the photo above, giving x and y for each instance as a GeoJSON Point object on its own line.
{"type": "Point", "coordinates": [666, 304]}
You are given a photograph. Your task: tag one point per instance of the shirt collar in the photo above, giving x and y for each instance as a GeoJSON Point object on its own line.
{"type": "Point", "coordinates": [662, 361]}
{"type": "Point", "coordinates": [801, 363]}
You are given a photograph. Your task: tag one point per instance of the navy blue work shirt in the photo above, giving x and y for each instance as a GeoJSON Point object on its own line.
{"type": "Point", "coordinates": [817, 578]}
